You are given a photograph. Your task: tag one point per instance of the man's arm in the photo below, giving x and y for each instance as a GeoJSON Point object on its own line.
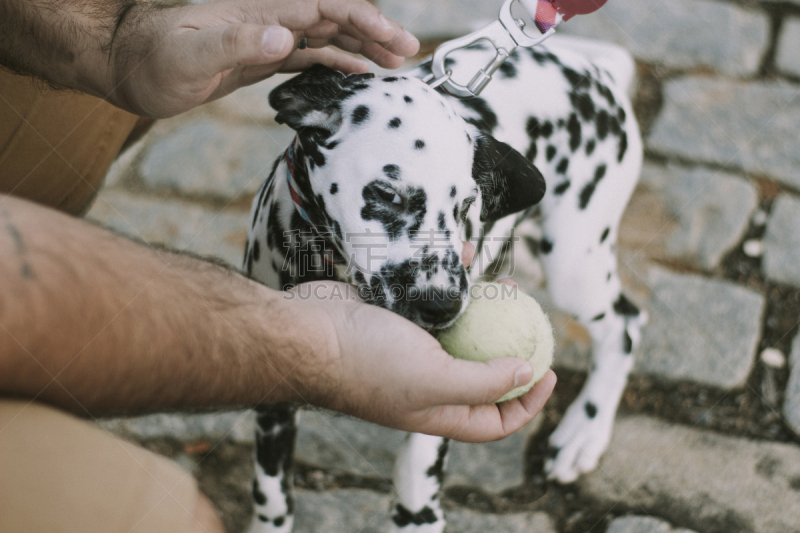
{"type": "Point", "coordinates": [159, 62]}
{"type": "Point", "coordinates": [98, 324]}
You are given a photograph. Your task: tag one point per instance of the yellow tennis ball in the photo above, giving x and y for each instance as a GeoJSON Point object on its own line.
{"type": "Point", "coordinates": [502, 321]}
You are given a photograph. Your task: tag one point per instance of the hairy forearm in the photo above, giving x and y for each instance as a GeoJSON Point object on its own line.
{"type": "Point", "coordinates": [65, 42]}
{"type": "Point", "coordinates": [98, 324]}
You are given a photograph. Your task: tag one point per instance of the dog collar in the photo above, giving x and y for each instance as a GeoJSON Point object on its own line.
{"type": "Point", "coordinates": [327, 256]}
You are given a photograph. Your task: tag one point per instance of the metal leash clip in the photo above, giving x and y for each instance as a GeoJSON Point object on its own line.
{"type": "Point", "coordinates": [505, 34]}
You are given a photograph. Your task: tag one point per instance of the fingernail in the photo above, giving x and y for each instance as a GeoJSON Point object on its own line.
{"type": "Point", "coordinates": [274, 40]}
{"type": "Point", "coordinates": [386, 22]}
{"type": "Point", "coordinates": [523, 375]}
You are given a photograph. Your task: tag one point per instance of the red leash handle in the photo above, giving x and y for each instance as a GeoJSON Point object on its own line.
{"type": "Point", "coordinates": [547, 14]}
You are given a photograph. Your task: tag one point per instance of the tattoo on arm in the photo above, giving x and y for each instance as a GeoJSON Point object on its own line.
{"type": "Point", "coordinates": [26, 271]}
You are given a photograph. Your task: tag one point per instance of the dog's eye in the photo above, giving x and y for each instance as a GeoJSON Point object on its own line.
{"type": "Point", "coordinates": [466, 205]}
{"type": "Point", "coordinates": [390, 196]}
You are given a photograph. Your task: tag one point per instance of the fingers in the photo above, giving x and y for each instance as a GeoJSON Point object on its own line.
{"type": "Point", "coordinates": [471, 383]}
{"type": "Point", "coordinates": [484, 423]}
{"type": "Point", "coordinates": [360, 18]}
{"type": "Point", "coordinates": [303, 59]}
{"type": "Point", "coordinates": [221, 48]}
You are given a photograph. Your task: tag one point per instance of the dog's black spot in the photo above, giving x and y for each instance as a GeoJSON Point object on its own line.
{"type": "Point", "coordinates": [331, 145]}
{"type": "Point", "coordinates": [574, 129]}
{"type": "Point", "coordinates": [403, 517]}
{"type": "Point", "coordinates": [274, 233]}
{"type": "Point", "coordinates": [469, 139]}
{"type": "Point", "coordinates": [468, 229]}
{"type": "Point", "coordinates": [419, 144]}
{"type": "Point", "coordinates": [608, 277]}
{"type": "Point", "coordinates": [437, 469]}
{"type": "Point", "coordinates": [613, 125]}
{"type": "Point", "coordinates": [407, 99]}
{"type": "Point", "coordinates": [546, 245]}
{"type": "Point", "coordinates": [256, 250]}
{"type": "Point", "coordinates": [455, 213]}
{"type": "Point", "coordinates": [392, 171]}
{"type": "Point", "coordinates": [599, 317]}
{"type": "Point", "coordinates": [417, 208]}
{"type": "Point", "coordinates": [359, 277]}
{"type": "Point", "coordinates": [532, 127]}
{"type": "Point", "coordinates": [552, 452]}
{"type": "Point", "coordinates": [604, 235]}
{"type": "Point", "coordinates": [551, 152]}
{"type": "Point", "coordinates": [387, 95]}
{"type": "Point", "coordinates": [623, 146]}
{"type": "Point", "coordinates": [583, 103]}
{"type": "Point", "coordinates": [279, 521]}
{"type": "Point", "coordinates": [390, 79]}
{"type": "Point", "coordinates": [627, 343]}
{"type": "Point", "coordinates": [488, 119]}
{"type": "Point", "coordinates": [590, 146]}
{"type": "Point", "coordinates": [259, 497]}
{"type": "Point", "coordinates": [577, 80]}
{"type": "Point", "coordinates": [625, 307]}
{"type": "Point", "coordinates": [395, 123]}
{"type": "Point", "coordinates": [563, 165]}
{"type": "Point", "coordinates": [263, 518]}
{"type": "Point", "coordinates": [621, 115]}
{"type": "Point", "coordinates": [441, 221]}
{"type": "Point", "coordinates": [606, 93]}
{"type": "Point", "coordinates": [334, 188]}
{"type": "Point", "coordinates": [360, 114]}
{"type": "Point", "coordinates": [275, 441]}
{"type": "Point", "coordinates": [589, 188]}
{"type": "Point", "coordinates": [602, 124]}
{"type": "Point", "coordinates": [453, 191]}
{"type": "Point", "coordinates": [508, 70]}
{"type": "Point", "coordinates": [532, 152]}
{"type": "Point", "coordinates": [561, 188]}
{"type": "Point", "coordinates": [591, 409]}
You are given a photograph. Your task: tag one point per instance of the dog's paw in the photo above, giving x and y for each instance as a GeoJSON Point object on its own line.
{"type": "Point", "coordinates": [577, 444]}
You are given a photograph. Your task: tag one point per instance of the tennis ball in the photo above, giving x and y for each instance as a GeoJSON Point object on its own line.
{"type": "Point", "coordinates": [502, 321]}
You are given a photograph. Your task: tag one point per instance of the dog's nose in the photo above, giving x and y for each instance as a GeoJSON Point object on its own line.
{"type": "Point", "coordinates": [438, 306]}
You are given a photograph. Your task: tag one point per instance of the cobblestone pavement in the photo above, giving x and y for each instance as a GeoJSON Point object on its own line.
{"type": "Point", "coordinates": [708, 436]}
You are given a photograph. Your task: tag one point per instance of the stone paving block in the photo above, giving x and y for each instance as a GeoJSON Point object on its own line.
{"type": "Point", "coordinates": [237, 426]}
{"type": "Point", "coordinates": [791, 403]}
{"type": "Point", "coordinates": [699, 479]}
{"type": "Point", "coordinates": [700, 329]}
{"type": "Point", "coordinates": [782, 241]}
{"type": "Point", "coordinates": [213, 157]}
{"type": "Point", "coordinates": [787, 58]}
{"type": "Point", "coordinates": [708, 211]}
{"type": "Point", "coordinates": [349, 510]}
{"type": "Point", "coordinates": [641, 524]}
{"type": "Point", "coordinates": [442, 19]}
{"type": "Point", "coordinates": [749, 125]}
{"type": "Point", "coordinates": [678, 34]}
{"type": "Point", "coordinates": [342, 444]}
{"type": "Point", "coordinates": [466, 521]}
{"type": "Point", "coordinates": [179, 225]}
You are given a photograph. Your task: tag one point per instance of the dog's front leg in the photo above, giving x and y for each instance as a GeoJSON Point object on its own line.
{"type": "Point", "coordinates": [418, 475]}
{"type": "Point", "coordinates": [272, 487]}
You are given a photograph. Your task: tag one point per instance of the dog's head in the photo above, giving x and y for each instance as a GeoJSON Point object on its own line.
{"type": "Point", "coordinates": [392, 171]}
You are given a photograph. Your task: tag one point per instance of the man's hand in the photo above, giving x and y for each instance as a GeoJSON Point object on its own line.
{"type": "Point", "coordinates": [169, 61]}
{"type": "Point", "coordinates": [159, 62]}
{"type": "Point", "coordinates": [383, 368]}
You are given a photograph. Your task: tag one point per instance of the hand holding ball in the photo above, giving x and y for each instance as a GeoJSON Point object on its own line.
{"type": "Point", "coordinates": [502, 321]}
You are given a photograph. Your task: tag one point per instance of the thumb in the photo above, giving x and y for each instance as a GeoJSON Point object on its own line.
{"type": "Point", "coordinates": [471, 383]}
{"type": "Point", "coordinates": [221, 48]}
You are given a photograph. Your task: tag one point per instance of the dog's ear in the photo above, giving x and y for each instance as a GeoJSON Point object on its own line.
{"type": "Point", "coordinates": [312, 99]}
{"type": "Point", "coordinates": [508, 182]}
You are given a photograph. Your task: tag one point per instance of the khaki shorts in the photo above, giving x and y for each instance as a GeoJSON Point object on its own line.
{"type": "Point", "coordinates": [59, 473]}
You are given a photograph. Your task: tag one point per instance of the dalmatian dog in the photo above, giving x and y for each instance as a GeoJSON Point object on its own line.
{"type": "Point", "coordinates": [385, 180]}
